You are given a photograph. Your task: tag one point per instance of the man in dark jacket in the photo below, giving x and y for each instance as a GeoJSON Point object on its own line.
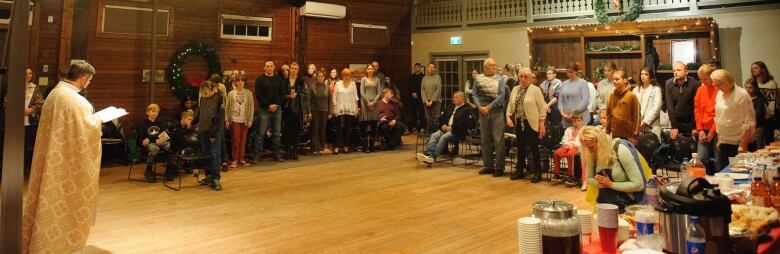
{"type": "Point", "coordinates": [270, 93]}
{"type": "Point", "coordinates": [454, 124]}
{"type": "Point", "coordinates": [680, 91]}
{"type": "Point", "coordinates": [415, 103]}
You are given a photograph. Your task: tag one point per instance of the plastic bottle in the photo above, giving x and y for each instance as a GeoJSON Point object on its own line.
{"type": "Point", "coordinates": [696, 238]}
{"type": "Point", "coordinates": [774, 195]}
{"type": "Point", "coordinates": [758, 192]}
{"type": "Point", "coordinates": [651, 192]}
{"type": "Point", "coordinates": [645, 229]}
{"type": "Point", "coordinates": [696, 167]}
{"type": "Point", "coordinates": [684, 168]}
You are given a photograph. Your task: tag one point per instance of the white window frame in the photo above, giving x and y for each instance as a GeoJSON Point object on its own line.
{"type": "Point", "coordinates": [245, 37]}
{"type": "Point", "coordinates": [369, 26]}
{"type": "Point", "coordinates": [103, 20]}
{"type": "Point", "coordinates": [10, 4]}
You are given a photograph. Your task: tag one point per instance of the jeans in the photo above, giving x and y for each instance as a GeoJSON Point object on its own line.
{"type": "Point", "coordinates": [213, 151]}
{"type": "Point", "coordinates": [491, 128]}
{"type": "Point", "coordinates": [431, 114]}
{"type": "Point", "coordinates": [154, 149]}
{"type": "Point", "coordinates": [706, 153]}
{"type": "Point", "coordinates": [438, 142]}
{"type": "Point", "coordinates": [276, 128]}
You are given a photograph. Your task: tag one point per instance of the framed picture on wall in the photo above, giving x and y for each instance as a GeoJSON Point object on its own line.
{"type": "Point", "coordinates": [158, 78]}
{"type": "Point", "coordinates": [684, 51]}
{"type": "Point", "coordinates": [358, 71]}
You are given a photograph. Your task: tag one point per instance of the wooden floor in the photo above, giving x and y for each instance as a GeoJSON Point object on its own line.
{"type": "Point", "coordinates": [357, 203]}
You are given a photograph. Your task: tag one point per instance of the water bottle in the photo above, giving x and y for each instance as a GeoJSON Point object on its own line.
{"type": "Point", "coordinates": [696, 237]}
{"type": "Point", "coordinates": [684, 168]}
{"type": "Point", "coordinates": [645, 223]}
{"type": "Point", "coordinates": [651, 192]}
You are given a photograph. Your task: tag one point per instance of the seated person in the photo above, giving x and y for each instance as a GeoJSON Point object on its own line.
{"type": "Point", "coordinates": [178, 132]}
{"type": "Point", "coordinates": [152, 137]}
{"type": "Point", "coordinates": [390, 126]}
{"type": "Point", "coordinates": [454, 124]}
{"type": "Point", "coordinates": [569, 148]}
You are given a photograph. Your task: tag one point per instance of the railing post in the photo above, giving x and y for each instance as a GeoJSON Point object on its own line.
{"type": "Point", "coordinates": [463, 13]}
{"type": "Point", "coordinates": [529, 11]}
{"type": "Point", "coordinates": [694, 5]}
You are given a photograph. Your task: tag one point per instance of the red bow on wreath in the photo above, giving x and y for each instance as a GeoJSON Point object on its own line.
{"type": "Point", "coordinates": [196, 79]}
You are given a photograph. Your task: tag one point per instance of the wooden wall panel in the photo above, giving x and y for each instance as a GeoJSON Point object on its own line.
{"type": "Point", "coordinates": [48, 46]}
{"type": "Point", "coordinates": [557, 52]}
{"type": "Point", "coordinates": [120, 61]}
{"type": "Point", "coordinates": [328, 43]}
{"type": "Point", "coordinates": [663, 46]}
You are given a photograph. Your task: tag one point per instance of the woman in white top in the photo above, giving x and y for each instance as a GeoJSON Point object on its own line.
{"type": "Point", "coordinates": [345, 108]}
{"type": "Point", "coordinates": [238, 117]}
{"type": "Point", "coordinates": [734, 117]}
{"type": "Point", "coordinates": [650, 101]}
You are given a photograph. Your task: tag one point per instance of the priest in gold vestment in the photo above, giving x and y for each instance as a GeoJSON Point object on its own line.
{"type": "Point", "coordinates": [60, 203]}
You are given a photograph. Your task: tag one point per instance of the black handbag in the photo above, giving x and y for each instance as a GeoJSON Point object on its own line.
{"type": "Point", "coordinates": [611, 196]}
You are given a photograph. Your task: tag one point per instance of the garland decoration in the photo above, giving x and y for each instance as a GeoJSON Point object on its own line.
{"type": "Point", "coordinates": [632, 14]}
{"type": "Point", "coordinates": [180, 86]}
{"type": "Point", "coordinates": [608, 48]}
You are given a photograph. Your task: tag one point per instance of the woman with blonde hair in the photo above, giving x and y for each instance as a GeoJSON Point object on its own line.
{"type": "Point", "coordinates": [611, 167]}
{"type": "Point", "coordinates": [734, 118]}
{"type": "Point", "coordinates": [345, 108]}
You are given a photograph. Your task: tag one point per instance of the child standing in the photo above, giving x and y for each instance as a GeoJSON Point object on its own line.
{"type": "Point", "coordinates": [238, 117]}
{"type": "Point", "coordinates": [211, 116]}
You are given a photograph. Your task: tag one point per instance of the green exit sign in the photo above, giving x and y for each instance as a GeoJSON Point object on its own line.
{"type": "Point", "coordinates": [455, 40]}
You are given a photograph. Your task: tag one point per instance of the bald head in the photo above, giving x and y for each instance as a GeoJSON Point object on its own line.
{"type": "Point", "coordinates": [680, 71]}
{"type": "Point", "coordinates": [489, 66]}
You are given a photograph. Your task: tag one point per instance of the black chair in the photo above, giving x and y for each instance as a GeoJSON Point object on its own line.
{"type": "Point", "coordinates": [113, 142]}
{"type": "Point", "coordinates": [186, 156]}
{"type": "Point", "coordinates": [669, 157]}
{"type": "Point", "coordinates": [647, 143]}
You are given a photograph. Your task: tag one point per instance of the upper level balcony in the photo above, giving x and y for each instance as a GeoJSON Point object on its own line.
{"type": "Point", "coordinates": [437, 14]}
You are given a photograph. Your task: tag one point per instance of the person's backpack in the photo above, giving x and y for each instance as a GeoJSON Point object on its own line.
{"type": "Point", "coordinates": [639, 196]}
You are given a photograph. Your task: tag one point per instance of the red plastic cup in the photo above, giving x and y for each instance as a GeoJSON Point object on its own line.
{"type": "Point", "coordinates": [608, 239]}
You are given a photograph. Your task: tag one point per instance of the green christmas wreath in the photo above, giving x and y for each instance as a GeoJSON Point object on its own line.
{"type": "Point", "coordinates": [631, 15]}
{"type": "Point", "coordinates": [180, 86]}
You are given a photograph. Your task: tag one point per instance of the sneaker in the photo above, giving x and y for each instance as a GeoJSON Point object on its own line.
{"type": "Point", "coordinates": [486, 171]}
{"type": "Point", "coordinates": [556, 178]}
{"type": "Point", "coordinates": [425, 159]}
{"type": "Point", "coordinates": [243, 163]}
{"type": "Point", "coordinates": [498, 173]}
{"type": "Point", "coordinates": [207, 181]}
{"type": "Point", "coordinates": [149, 174]}
{"type": "Point", "coordinates": [584, 187]}
{"type": "Point", "coordinates": [234, 164]}
{"type": "Point", "coordinates": [215, 185]}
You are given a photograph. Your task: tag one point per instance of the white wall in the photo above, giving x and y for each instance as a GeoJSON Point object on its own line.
{"type": "Point", "coordinates": [745, 37]}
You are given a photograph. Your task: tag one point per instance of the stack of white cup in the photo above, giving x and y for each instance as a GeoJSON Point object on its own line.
{"type": "Point", "coordinates": [586, 226]}
{"type": "Point", "coordinates": [529, 232]}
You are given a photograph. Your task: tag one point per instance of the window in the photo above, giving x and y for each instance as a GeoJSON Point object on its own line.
{"type": "Point", "coordinates": [246, 28]}
{"type": "Point", "coordinates": [5, 12]}
{"type": "Point", "coordinates": [133, 20]}
{"type": "Point", "coordinates": [367, 34]}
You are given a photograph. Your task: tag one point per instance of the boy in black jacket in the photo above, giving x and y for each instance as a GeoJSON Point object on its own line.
{"type": "Point", "coordinates": [211, 118]}
{"type": "Point", "coordinates": [152, 137]}
{"type": "Point", "coordinates": [453, 125]}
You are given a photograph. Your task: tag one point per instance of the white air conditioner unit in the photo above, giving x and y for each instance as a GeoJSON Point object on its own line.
{"type": "Point", "coordinates": [323, 10]}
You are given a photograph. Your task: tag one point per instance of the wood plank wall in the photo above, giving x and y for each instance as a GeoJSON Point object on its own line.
{"type": "Point", "coordinates": [119, 61]}
{"type": "Point", "coordinates": [328, 41]}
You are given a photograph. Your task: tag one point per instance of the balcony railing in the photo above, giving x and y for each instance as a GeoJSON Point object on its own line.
{"type": "Point", "coordinates": [460, 13]}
